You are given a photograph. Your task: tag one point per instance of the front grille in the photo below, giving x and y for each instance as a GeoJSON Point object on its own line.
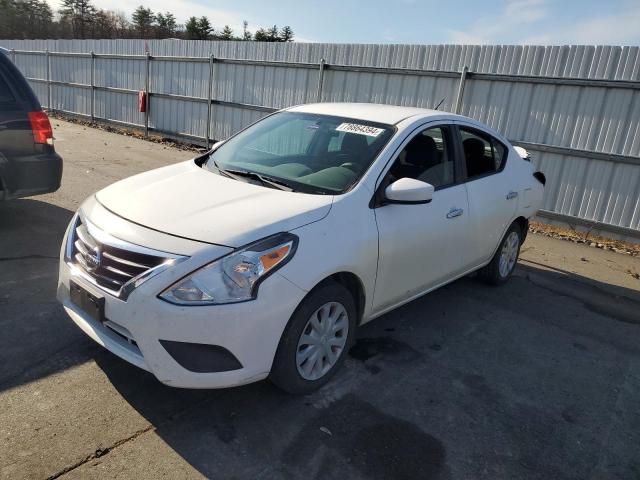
{"type": "Point", "coordinates": [108, 266]}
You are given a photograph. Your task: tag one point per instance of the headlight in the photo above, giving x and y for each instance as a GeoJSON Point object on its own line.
{"type": "Point", "coordinates": [234, 278]}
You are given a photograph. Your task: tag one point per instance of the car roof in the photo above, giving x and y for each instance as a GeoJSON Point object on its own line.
{"type": "Point", "coordinates": [373, 112]}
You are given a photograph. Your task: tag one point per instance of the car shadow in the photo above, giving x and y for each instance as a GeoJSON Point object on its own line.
{"type": "Point", "coordinates": [37, 338]}
{"type": "Point", "coordinates": [258, 431]}
{"type": "Point", "coordinates": [385, 415]}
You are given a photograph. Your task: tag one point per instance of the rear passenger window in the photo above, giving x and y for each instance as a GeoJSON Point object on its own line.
{"type": "Point", "coordinates": [426, 158]}
{"type": "Point", "coordinates": [483, 154]}
{"type": "Point", "coordinates": [5, 94]}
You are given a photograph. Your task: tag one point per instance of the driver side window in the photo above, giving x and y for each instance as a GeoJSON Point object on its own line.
{"type": "Point", "coordinates": [428, 158]}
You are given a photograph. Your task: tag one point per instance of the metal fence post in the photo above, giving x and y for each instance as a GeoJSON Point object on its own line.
{"type": "Point", "coordinates": [463, 79]}
{"type": "Point", "coordinates": [13, 55]}
{"type": "Point", "coordinates": [93, 85]}
{"type": "Point", "coordinates": [209, 99]}
{"type": "Point", "coordinates": [146, 90]}
{"type": "Point", "coordinates": [48, 57]}
{"type": "Point", "coordinates": [320, 79]}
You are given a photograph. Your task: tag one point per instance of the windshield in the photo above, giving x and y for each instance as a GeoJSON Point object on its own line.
{"type": "Point", "coordinates": [302, 151]}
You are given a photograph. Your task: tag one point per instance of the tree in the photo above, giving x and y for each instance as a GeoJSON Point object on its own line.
{"type": "Point", "coordinates": [261, 35]}
{"type": "Point", "coordinates": [205, 30]}
{"type": "Point", "coordinates": [121, 24]}
{"type": "Point", "coordinates": [286, 34]}
{"type": "Point", "coordinates": [143, 21]}
{"type": "Point", "coordinates": [40, 18]}
{"type": "Point", "coordinates": [227, 33]}
{"type": "Point", "coordinates": [103, 24]}
{"type": "Point", "coordinates": [80, 14]}
{"type": "Point", "coordinates": [25, 19]}
{"type": "Point", "coordinates": [246, 34]}
{"type": "Point", "coordinates": [198, 28]}
{"type": "Point", "coordinates": [8, 19]}
{"type": "Point", "coordinates": [191, 29]}
{"type": "Point", "coordinates": [273, 35]}
{"type": "Point", "coordinates": [80, 19]}
{"type": "Point", "coordinates": [166, 25]}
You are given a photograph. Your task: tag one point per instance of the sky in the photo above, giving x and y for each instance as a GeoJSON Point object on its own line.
{"type": "Point", "coordinates": [541, 22]}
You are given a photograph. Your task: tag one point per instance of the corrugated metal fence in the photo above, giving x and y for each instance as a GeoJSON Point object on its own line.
{"type": "Point", "coordinates": [576, 108]}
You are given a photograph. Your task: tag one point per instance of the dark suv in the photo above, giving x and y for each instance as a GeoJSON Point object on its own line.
{"type": "Point", "coordinates": [29, 164]}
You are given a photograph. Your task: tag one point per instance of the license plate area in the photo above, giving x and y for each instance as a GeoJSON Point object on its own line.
{"type": "Point", "coordinates": [87, 302]}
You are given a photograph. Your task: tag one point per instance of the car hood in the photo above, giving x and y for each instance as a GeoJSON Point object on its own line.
{"type": "Point", "coordinates": [187, 201]}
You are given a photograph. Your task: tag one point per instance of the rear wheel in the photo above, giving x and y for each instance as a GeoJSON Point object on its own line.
{"type": "Point", "coordinates": [504, 261]}
{"type": "Point", "coordinates": [315, 342]}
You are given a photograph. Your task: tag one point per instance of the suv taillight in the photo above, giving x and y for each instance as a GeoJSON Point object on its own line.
{"type": "Point", "coordinates": [41, 127]}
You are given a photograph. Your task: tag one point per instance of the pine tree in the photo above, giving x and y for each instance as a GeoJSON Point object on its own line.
{"type": "Point", "coordinates": [80, 14]}
{"type": "Point", "coordinates": [286, 34]}
{"type": "Point", "coordinates": [191, 29]}
{"type": "Point", "coordinates": [273, 34]}
{"type": "Point", "coordinates": [205, 30]}
{"type": "Point", "coordinates": [227, 33]}
{"type": "Point", "coordinates": [166, 25]}
{"type": "Point", "coordinates": [261, 35]}
{"type": "Point", "coordinates": [143, 20]}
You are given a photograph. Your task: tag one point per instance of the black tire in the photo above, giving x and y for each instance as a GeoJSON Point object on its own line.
{"type": "Point", "coordinates": [284, 372]}
{"type": "Point", "coordinates": [491, 273]}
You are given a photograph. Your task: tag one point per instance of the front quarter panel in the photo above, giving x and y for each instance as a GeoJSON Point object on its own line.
{"type": "Point", "coordinates": [344, 241]}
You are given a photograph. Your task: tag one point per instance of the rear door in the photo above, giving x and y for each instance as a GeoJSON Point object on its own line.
{"type": "Point", "coordinates": [492, 198]}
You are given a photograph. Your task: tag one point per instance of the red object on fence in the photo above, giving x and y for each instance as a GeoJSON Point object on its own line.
{"type": "Point", "coordinates": [142, 101]}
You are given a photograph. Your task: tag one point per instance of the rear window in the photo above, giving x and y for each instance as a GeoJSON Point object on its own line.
{"type": "Point", "coordinates": [5, 93]}
{"type": "Point", "coordinates": [483, 154]}
{"type": "Point", "coordinates": [20, 92]}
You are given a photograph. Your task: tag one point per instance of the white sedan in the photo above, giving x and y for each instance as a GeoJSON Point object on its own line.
{"type": "Point", "coordinates": [262, 257]}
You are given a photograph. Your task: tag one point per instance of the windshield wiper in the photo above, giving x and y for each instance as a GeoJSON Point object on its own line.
{"type": "Point", "coordinates": [266, 180]}
{"type": "Point", "coordinates": [222, 170]}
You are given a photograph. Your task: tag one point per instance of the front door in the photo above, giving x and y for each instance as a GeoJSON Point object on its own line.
{"type": "Point", "coordinates": [422, 246]}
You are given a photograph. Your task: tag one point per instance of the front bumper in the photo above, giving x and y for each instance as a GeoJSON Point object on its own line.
{"type": "Point", "coordinates": [136, 329]}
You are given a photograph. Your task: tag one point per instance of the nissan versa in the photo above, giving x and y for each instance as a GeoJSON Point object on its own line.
{"type": "Point", "coordinates": [262, 257]}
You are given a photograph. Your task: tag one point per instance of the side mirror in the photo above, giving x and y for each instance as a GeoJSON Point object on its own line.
{"type": "Point", "coordinates": [216, 145]}
{"type": "Point", "coordinates": [409, 191]}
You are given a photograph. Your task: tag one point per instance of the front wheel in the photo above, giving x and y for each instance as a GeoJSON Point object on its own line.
{"type": "Point", "coordinates": [504, 261]}
{"type": "Point", "coordinates": [316, 340]}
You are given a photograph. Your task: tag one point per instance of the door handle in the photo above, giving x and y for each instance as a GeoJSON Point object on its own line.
{"type": "Point", "coordinates": [455, 212]}
{"type": "Point", "coordinates": [511, 195]}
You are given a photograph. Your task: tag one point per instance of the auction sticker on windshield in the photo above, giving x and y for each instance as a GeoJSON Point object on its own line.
{"type": "Point", "coordinates": [359, 129]}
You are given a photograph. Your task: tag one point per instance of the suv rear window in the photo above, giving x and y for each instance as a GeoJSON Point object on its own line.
{"type": "Point", "coordinates": [5, 93]}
